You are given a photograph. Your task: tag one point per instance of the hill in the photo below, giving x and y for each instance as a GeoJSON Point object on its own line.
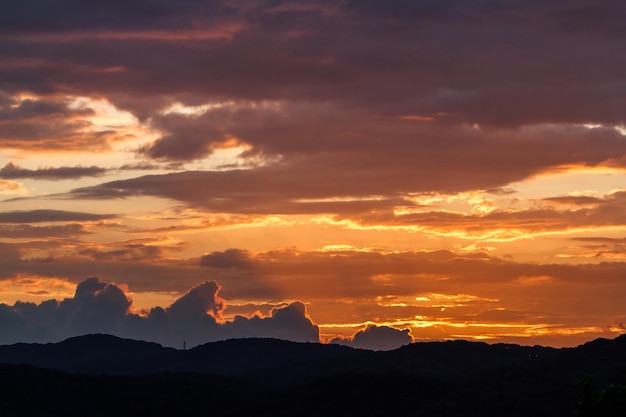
{"type": "Point", "coordinates": [276, 377]}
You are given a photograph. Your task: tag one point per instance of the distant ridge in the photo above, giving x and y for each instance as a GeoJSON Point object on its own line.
{"type": "Point", "coordinates": [106, 354]}
{"type": "Point", "coordinates": [95, 354]}
{"type": "Point", "coordinates": [276, 377]}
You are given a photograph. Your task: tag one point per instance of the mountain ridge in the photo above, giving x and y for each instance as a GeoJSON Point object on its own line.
{"type": "Point", "coordinates": [103, 353]}
{"type": "Point", "coordinates": [277, 377]}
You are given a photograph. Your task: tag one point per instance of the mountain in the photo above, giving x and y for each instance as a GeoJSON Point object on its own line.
{"type": "Point", "coordinates": [97, 353]}
{"type": "Point", "coordinates": [275, 377]}
{"type": "Point", "coordinates": [105, 354]}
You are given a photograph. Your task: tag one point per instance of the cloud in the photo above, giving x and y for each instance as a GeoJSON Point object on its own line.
{"type": "Point", "coordinates": [413, 289]}
{"type": "Point", "coordinates": [49, 123]}
{"type": "Point", "coordinates": [596, 19]}
{"type": "Point", "coordinates": [96, 305]}
{"type": "Point", "coordinates": [22, 231]}
{"type": "Point", "coordinates": [340, 274]}
{"type": "Point", "coordinates": [11, 187]}
{"type": "Point", "coordinates": [162, 15]}
{"type": "Point", "coordinates": [597, 247]}
{"type": "Point", "coordinates": [335, 92]}
{"type": "Point", "coordinates": [344, 110]}
{"type": "Point", "coordinates": [198, 301]}
{"type": "Point", "coordinates": [368, 56]}
{"type": "Point", "coordinates": [586, 212]}
{"type": "Point", "coordinates": [187, 139]}
{"type": "Point", "coordinates": [325, 172]}
{"type": "Point", "coordinates": [12, 171]}
{"type": "Point", "coordinates": [574, 200]}
{"type": "Point", "coordinates": [290, 322]}
{"type": "Point", "coordinates": [230, 258]}
{"type": "Point", "coordinates": [126, 251]}
{"type": "Point", "coordinates": [101, 307]}
{"type": "Point", "coordinates": [48, 215]}
{"type": "Point", "coordinates": [375, 337]}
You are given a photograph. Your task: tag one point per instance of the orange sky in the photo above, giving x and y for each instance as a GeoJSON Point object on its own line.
{"type": "Point", "coordinates": [455, 170]}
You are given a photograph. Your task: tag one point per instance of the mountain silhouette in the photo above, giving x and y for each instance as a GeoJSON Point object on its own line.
{"type": "Point", "coordinates": [276, 377]}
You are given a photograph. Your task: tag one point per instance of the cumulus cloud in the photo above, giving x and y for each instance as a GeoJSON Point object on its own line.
{"type": "Point", "coordinates": [194, 318]}
{"type": "Point", "coordinates": [289, 322]}
{"type": "Point", "coordinates": [96, 307]}
{"type": "Point", "coordinates": [198, 301]}
{"type": "Point", "coordinates": [375, 337]}
{"type": "Point", "coordinates": [96, 304]}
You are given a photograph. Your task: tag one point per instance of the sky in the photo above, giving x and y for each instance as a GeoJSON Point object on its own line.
{"type": "Point", "coordinates": [354, 171]}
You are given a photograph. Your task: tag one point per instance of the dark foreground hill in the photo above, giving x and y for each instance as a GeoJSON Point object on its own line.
{"type": "Point", "coordinates": [104, 375]}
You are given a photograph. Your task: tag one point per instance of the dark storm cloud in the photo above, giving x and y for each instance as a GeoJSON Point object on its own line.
{"type": "Point", "coordinates": [101, 307]}
{"type": "Point", "coordinates": [13, 171]}
{"type": "Point", "coordinates": [46, 215]}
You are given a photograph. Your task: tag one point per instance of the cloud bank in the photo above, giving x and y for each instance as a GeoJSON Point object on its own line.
{"type": "Point", "coordinates": [194, 318]}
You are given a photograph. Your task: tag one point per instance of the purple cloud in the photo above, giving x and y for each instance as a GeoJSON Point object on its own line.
{"type": "Point", "coordinates": [374, 337]}
{"type": "Point", "coordinates": [194, 318]}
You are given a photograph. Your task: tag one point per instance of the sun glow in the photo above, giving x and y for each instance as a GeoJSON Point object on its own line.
{"type": "Point", "coordinates": [35, 289]}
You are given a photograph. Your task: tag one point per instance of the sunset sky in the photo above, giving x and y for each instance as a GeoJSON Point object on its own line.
{"type": "Point", "coordinates": [456, 169]}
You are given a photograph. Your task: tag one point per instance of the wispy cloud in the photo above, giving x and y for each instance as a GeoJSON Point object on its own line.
{"type": "Point", "coordinates": [13, 171]}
